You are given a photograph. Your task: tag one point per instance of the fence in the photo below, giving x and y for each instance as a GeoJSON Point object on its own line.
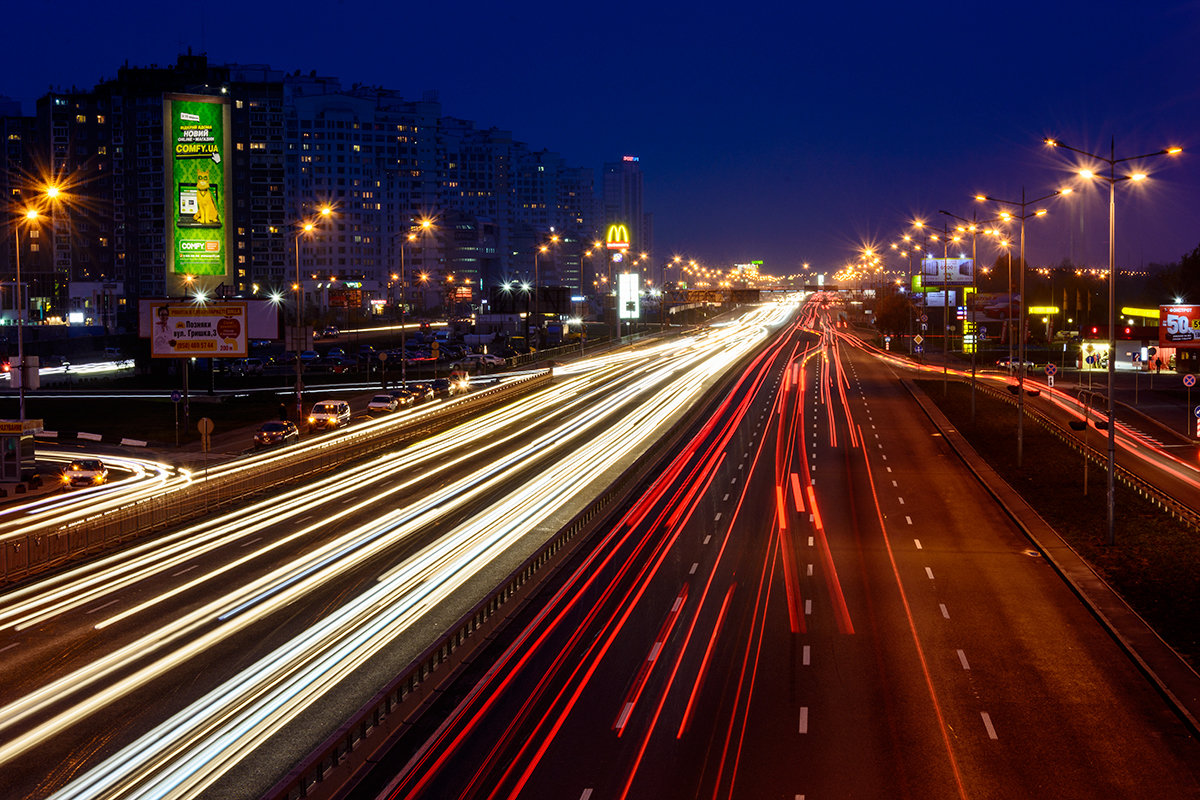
{"type": "Point", "coordinates": [31, 552]}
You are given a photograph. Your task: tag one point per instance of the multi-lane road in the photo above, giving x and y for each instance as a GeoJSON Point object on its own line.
{"type": "Point", "coordinates": [815, 599]}
{"type": "Point", "coordinates": [207, 660]}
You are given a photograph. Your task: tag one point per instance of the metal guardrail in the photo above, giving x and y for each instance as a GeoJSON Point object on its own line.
{"type": "Point", "coordinates": [1149, 491]}
{"type": "Point", "coordinates": [52, 545]}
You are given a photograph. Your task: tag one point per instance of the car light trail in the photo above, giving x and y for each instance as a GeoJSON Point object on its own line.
{"type": "Point", "coordinates": [189, 751]}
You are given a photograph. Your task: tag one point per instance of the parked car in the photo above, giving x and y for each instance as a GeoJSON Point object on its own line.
{"type": "Point", "coordinates": [247, 366]}
{"type": "Point", "coordinates": [382, 403]}
{"type": "Point", "coordinates": [478, 361]}
{"type": "Point", "coordinates": [85, 472]}
{"type": "Point", "coordinates": [1007, 363]}
{"type": "Point", "coordinates": [329, 414]}
{"type": "Point", "coordinates": [276, 433]}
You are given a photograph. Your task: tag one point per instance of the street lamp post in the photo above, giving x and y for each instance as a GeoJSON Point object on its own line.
{"type": "Point", "coordinates": [1025, 214]}
{"type": "Point", "coordinates": [1112, 180]}
{"type": "Point", "coordinates": [30, 215]}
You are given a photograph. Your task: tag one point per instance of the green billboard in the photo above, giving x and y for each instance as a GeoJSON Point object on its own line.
{"type": "Point", "coordinates": [196, 138]}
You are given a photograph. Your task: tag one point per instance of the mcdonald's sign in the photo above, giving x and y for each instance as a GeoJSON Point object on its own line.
{"type": "Point", "coordinates": [618, 237]}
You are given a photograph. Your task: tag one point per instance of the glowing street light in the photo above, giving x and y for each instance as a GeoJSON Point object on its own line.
{"type": "Point", "coordinates": [1112, 181]}
{"type": "Point", "coordinates": [1025, 214]}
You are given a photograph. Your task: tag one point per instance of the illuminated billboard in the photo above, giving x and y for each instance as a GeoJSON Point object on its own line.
{"type": "Point", "coordinates": [187, 330]}
{"type": "Point", "coordinates": [627, 296]}
{"type": "Point", "coordinates": [196, 133]}
{"type": "Point", "coordinates": [935, 271]}
{"type": "Point", "coordinates": [1179, 326]}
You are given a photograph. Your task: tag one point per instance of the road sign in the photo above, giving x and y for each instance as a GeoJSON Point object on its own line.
{"type": "Point", "coordinates": [177, 395]}
{"type": "Point", "coordinates": [1051, 369]}
{"type": "Point", "coordinates": [1189, 380]}
{"type": "Point", "coordinates": [1197, 412]}
{"type": "Point", "coordinates": [924, 318]}
{"type": "Point", "coordinates": [205, 426]}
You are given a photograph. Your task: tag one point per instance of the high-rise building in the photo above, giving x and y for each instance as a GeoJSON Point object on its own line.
{"type": "Point", "coordinates": [624, 204]}
{"type": "Point", "coordinates": [299, 142]}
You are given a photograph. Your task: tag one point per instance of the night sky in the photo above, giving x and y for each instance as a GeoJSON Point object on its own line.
{"type": "Point", "coordinates": [784, 132]}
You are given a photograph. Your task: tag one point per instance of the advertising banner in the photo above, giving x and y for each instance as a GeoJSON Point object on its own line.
{"type": "Point", "coordinates": [187, 330]}
{"type": "Point", "coordinates": [935, 271]}
{"type": "Point", "coordinates": [196, 137]}
{"type": "Point", "coordinates": [1179, 326]}
{"type": "Point", "coordinates": [628, 302]}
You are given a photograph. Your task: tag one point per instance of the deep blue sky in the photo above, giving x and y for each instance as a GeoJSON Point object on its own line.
{"type": "Point", "coordinates": [789, 132]}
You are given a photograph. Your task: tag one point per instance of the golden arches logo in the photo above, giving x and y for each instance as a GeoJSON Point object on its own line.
{"type": "Point", "coordinates": [618, 237]}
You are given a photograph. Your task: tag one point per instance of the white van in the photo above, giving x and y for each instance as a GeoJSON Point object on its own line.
{"type": "Point", "coordinates": [329, 414]}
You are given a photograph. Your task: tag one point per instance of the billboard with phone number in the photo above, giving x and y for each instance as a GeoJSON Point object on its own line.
{"type": "Point", "coordinates": [196, 135]}
{"type": "Point", "coordinates": [187, 330]}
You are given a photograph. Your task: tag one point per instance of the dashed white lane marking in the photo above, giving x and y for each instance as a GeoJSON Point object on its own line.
{"type": "Point", "coordinates": [252, 541]}
{"type": "Point", "coordinates": [726, 497]}
{"type": "Point", "coordinates": [895, 483]}
{"type": "Point", "coordinates": [808, 608]}
{"type": "Point", "coordinates": [305, 519]}
{"type": "Point", "coordinates": [106, 605]}
{"type": "Point", "coordinates": [945, 611]}
{"type": "Point", "coordinates": [929, 572]}
{"type": "Point", "coordinates": [889, 469]}
{"type": "Point", "coordinates": [987, 723]}
{"type": "Point", "coordinates": [184, 570]}
{"type": "Point", "coordinates": [810, 541]}
{"type": "Point", "coordinates": [901, 499]}
{"type": "Point", "coordinates": [708, 538]}
{"type": "Point", "coordinates": [917, 542]}
{"type": "Point", "coordinates": [717, 518]}
{"type": "Point", "coordinates": [962, 658]}
{"type": "Point", "coordinates": [804, 655]}
{"type": "Point", "coordinates": [810, 568]}
{"type": "Point", "coordinates": [624, 715]}
{"type": "Point", "coordinates": [908, 519]}
{"type": "Point", "coordinates": [695, 567]}
{"type": "Point", "coordinates": [587, 793]}
{"type": "Point", "coordinates": [18, 644]}
{"type": "Point", "coordinates": [804, 719]}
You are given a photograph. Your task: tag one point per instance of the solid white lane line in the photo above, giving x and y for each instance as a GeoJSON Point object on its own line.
{"type": "Point", "coordinates": [962, 658]}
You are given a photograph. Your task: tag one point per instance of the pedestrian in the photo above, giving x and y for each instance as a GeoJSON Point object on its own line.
{"type": "Point", "coordinates": [282, 411]}
{"type": "Point", "coordinates": [1158, 364]}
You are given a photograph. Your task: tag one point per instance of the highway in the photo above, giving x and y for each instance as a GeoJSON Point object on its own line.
{"type": "Point", "coordinates": [205, 661]}
{"type": "Point", "coordinates": [815, 599]}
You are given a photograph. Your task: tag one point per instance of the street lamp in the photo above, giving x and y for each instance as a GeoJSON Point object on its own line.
{"type": "Point", "coordinates": [1112, 180]}
{"type": "Point", "coordinates": [30, 216]}
{"type": "Point", "coordinates": [972, 227]}
{"type": "Point", "coordinates": [1025, 214]}
{"type": "Point", "coordinates": [306, 229]}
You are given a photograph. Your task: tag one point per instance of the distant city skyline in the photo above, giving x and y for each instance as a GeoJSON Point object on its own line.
{"type": "Point", "coordinates": [789, 135]}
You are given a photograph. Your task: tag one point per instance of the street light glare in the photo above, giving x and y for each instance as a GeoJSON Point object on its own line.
{"type": "Point", "coordinates": [1138, 176]}
{"type": "Point", "coordinates": [1172, 151]}
{"type": "Point", "coordinates": [1086, 173]}
{"type": "Point", "coordinates": [31, 214]}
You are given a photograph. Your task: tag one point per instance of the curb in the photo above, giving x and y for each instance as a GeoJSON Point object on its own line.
{"type": "Point", "coordinates": [1170, 674]}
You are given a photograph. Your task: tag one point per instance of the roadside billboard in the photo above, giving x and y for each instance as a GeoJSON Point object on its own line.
{"type": "Point", "coordinates": [1179, 326]}
{"type": "Point", "coordinates": [936, 271]}
{"type": "Point", "coordinates": [628, 302]}
{"type": "Point", "coordinates": [196, 136]}
{"type": "Point", "coordinates": [192, 330]}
